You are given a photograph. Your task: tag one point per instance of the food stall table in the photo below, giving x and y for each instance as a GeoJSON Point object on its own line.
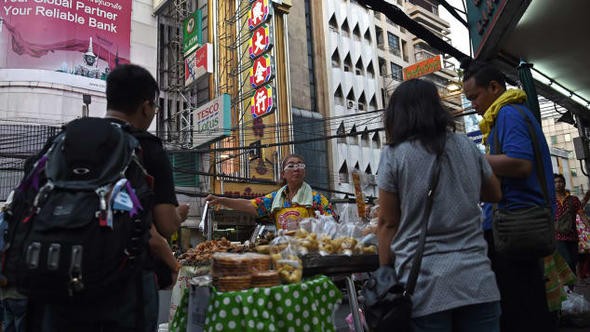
{"type": "Point", "coordinates": [304, 306]}
{"type": "Point", "coordinates": [342, 266]}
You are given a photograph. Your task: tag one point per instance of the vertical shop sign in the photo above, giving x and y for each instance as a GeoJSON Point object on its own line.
{"type": "Point", "coordinates": [260, 12]}
{"type": "Point", "coordinates": [262, 101]}
{"type": "Point", "coordinates": [260, 42]}
{"type": "Point", "coordinates": [192, 32]}
{"type": "Point", "coordinates": [261, 71]}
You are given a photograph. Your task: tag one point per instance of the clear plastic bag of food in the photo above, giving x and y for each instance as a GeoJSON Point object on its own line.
{"type": "Point", "coordinates": [347, 238]}
{"type": "Point", "coordinates": [288, 264]}
{"type": "Point", "coordinates": [306, 238]}
{"type": "Point", "coordinates": [349, 213]}
{"type": "Point", "coordinates": [327, 230]}
{"type": "Point", "coordinates": [279, 243]}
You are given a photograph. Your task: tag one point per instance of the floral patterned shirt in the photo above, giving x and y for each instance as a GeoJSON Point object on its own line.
{"type": "Point", "coordinates": [575, 205]}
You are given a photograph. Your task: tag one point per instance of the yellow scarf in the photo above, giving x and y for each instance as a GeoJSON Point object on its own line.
{"type": "Point", "coordinates": [513, 96]}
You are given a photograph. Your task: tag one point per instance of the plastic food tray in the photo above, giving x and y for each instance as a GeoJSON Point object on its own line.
{"type": "Point", "coordinates": [338, 264]}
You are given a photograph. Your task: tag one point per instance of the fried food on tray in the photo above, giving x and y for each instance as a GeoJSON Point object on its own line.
{"type": "Point", "coordinates": [203, 252]}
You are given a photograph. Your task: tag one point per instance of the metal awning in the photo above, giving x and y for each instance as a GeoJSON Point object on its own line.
{"type": "Point", "coordinates": [551, 35]}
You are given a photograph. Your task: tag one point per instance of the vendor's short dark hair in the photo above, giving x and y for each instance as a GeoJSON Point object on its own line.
{"type": "Point", "coordinates": [482, 72]}
{"type": "Point", "coordinates": [128, 86]}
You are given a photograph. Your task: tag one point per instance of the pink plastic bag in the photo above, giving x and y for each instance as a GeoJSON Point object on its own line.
{"type": "Point", "coordinates": [350, 323]}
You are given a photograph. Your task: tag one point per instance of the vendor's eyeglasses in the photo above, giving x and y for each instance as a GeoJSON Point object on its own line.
{"type": "Point", "coordinates": [295, 166]}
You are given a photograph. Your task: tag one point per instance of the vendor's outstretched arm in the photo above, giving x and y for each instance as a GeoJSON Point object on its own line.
{"type": "Point", "coordinates": [239, 204]}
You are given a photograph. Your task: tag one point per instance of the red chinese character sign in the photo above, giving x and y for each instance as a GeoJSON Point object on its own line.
{"type": "Point", "coordinates": [260, 12]}
{"type": "Point", "coordinates": [260, 42]}
{"type": "Point", "coordinates": [261, 71]}
{"type": "Point", "coordinates": [262, 101]}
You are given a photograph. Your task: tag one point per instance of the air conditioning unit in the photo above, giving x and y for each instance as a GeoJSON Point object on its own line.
{"type": "Point", "coordinates": [351, 104]}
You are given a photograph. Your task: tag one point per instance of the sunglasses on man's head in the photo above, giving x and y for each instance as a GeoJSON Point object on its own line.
{"type": "Point", "coordinates": [295, 166]}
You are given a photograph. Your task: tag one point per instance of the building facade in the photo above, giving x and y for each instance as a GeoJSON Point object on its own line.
{"type": "Point", "coordinates": [366, 57]}
{"type": "Point", "coordinates": [560, 138]}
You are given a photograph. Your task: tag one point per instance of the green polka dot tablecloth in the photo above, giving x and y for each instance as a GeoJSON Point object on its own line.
{"type": "Point", "coordinates": [305, 306]}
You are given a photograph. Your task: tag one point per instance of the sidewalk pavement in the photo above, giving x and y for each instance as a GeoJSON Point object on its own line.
{"type": "Point", "coordinates": [343, 310]}
{"type": "Point", "coordinates": [584, 289]}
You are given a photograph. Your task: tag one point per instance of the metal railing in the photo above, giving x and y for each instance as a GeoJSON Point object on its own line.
{"type": "Point", "coordinates": [19, 141]}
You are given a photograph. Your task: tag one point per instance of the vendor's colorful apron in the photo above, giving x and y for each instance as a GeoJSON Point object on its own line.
{"type": "Point", "coordinates": [288, 218]}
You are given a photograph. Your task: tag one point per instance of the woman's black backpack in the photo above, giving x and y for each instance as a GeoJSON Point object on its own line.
{"type": "Point", "coordinates": [78, 225]}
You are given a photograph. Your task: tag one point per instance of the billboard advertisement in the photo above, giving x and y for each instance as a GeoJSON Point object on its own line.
{"type": "Point", "coordinates": [84, 38]}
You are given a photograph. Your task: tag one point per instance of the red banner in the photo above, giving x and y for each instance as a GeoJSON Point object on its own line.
{"type": "Point", "coordinates": [80, 37]}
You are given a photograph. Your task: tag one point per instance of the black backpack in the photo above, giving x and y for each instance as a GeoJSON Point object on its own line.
{"type": "Point", "coordinates": [78, 225]}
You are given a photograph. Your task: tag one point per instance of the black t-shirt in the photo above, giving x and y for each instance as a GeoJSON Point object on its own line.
{"type": "Point", "coordinates": [157, 164]}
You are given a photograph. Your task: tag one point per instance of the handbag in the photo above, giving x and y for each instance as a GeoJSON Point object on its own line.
{"type": "Point", "coordinates": [527, 232]}
{"type": "Point", "coordinates": [566, 223]}
{"type": "Point", "coordinates": [387, 303]}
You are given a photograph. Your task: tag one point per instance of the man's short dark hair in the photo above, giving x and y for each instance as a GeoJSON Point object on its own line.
{"type": "Point", "coordinates": [560, 176]}
{"type": "Point", "coordinates": [128, 86]}
{"type": "Point", "coordinates": [482, 72]}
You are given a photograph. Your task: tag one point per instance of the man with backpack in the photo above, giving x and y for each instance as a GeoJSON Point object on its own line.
{"type": "Point", "coordinates": [91, 213]}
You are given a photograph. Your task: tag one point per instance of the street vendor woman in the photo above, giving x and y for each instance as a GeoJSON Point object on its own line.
{"type": "Point", "coordinates": [291, 203]}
